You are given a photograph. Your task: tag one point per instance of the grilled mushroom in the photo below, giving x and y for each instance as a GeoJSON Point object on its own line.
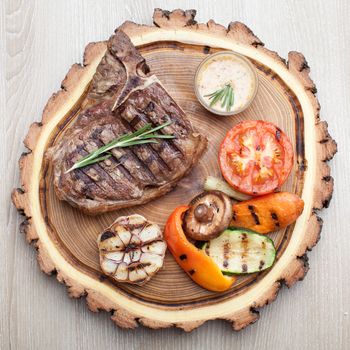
{"type": "Point", "coordinates": [132, 249]}
{"type": "Point", "coordinates": [209, 215]}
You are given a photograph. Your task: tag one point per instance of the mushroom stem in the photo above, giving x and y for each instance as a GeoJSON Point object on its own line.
{"type": "Point", "coordinates": [204, 213]}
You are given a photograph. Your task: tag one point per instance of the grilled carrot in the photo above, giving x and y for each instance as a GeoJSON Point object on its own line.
{"type": "Point", "coordinates": [267, 213]}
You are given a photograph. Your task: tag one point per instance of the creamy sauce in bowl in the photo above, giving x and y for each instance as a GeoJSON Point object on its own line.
{"type": "Point", "coordinates": [226, 69]}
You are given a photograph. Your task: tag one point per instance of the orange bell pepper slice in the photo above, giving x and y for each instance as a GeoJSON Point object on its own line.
{"type": "Point", "coordinates": [198, 265]}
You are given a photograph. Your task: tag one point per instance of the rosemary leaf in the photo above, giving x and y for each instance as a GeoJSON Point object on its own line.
{"type": "Point", "coordinates": [100, 159]}
{"type": "Point", "coordinates": [158, 136]}
{"type": "Point", "coordinates": [144, 135]}
{"type": "Point", "coordinates": [228, 99]}
{"type": "Point", "coordinates": [214, 93]}
{"type": "Point", "coordinates": [223, 95]}
{"type": "Point", "coordinates": [217, 97]}
{"type": "Point", "coordinates": [159, 127]}
{"type": "Point", "coordinates": [142, 142]}
{"type": "Point", "coordinates": [232, 98]}
{"type": "Point", "coordinates": [83, 163]}
{"type": "Point", "coordinates": [138, 132]}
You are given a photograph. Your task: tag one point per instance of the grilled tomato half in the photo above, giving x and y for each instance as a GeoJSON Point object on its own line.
{"type": "Point", "coordinates": [256, 157]}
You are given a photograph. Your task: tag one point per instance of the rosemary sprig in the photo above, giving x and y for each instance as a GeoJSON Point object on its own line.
{"type": "Point", "coordinates": [142, 136]}
{"type": "Point", "coordinates": [224, 95]}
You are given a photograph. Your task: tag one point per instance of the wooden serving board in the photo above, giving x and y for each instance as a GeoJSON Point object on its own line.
{"type": "Point", "coordinates": [66, 238]}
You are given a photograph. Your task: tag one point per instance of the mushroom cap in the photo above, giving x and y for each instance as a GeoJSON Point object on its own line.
{"type": "Point", "coordinates": [209, 215]}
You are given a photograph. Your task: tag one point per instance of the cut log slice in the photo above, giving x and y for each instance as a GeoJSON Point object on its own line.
{"type": "Point", "coordinates": [66, 239]}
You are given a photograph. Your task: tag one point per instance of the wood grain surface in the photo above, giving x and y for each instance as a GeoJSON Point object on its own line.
{"type": "Point", "coordinates": [39, 40]}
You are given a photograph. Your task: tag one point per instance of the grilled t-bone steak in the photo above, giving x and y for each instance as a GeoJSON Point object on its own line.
{"type": "Point", "coordinates": [122, 98]}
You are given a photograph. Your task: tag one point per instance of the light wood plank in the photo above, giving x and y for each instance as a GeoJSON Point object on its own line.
{"type": "Point", "coordinates": [40, 40]}
{"type": "Point", "coordinates": [7, 242]}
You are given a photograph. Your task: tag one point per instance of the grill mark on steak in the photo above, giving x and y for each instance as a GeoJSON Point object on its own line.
{"type": "Point", "coordinates": [134, 122]}
{"type": "Point", "coordinates": [148, 159]}
{"type": "Point", "coordinates": [119, 177]}
{"type": "Point", "coordinates": [168, 106]}
{"type": "Point", "coordinates": [140, 167]}
{"type": "Point", "coordinates": [148, 154]}
{"type": "Point", "coordinates": [143, 158]}
{"type": "Point", "coordinates": [127, 158]}
{"type": "Point", "coordinates": [122, 169]}
{"type": "Point", "coordinates": [169, 142]}
{"type": "Point", "coordinates": [97, 143]}
{"type": "Point", "coordinates": [101, 178]}
{"type": "Point", "coordinates": [166, 153]}
{"type": "Point", "coordinates": [88, 183]}
{"type": "Point", "coordinates": [177, 146]}
{"type": "Point", "coordinates": [145, 175]}
{"type": "Point", "coordinates": [147, 118]}
{"type": "Point", "coordinates": [158, 115]}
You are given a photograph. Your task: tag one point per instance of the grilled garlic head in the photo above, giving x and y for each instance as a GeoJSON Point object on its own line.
{"type": "Point", "coordinates": [132, 249]}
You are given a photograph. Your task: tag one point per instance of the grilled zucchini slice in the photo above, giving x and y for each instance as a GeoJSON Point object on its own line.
{"type": "Point", "coordinates": [241, 251]}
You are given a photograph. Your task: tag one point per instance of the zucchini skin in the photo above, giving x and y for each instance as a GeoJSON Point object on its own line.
{"type": "Point", "coordinates": [264, 238]}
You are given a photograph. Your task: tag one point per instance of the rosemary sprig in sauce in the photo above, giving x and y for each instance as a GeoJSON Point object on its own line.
{"type": "Point", "coordinates": [224, 95]}
{"type": "Point", "coordinates": [145, 135]}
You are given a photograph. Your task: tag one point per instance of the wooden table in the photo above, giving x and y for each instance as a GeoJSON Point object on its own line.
{"type": "Point", "coordinates": [39, 41]}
